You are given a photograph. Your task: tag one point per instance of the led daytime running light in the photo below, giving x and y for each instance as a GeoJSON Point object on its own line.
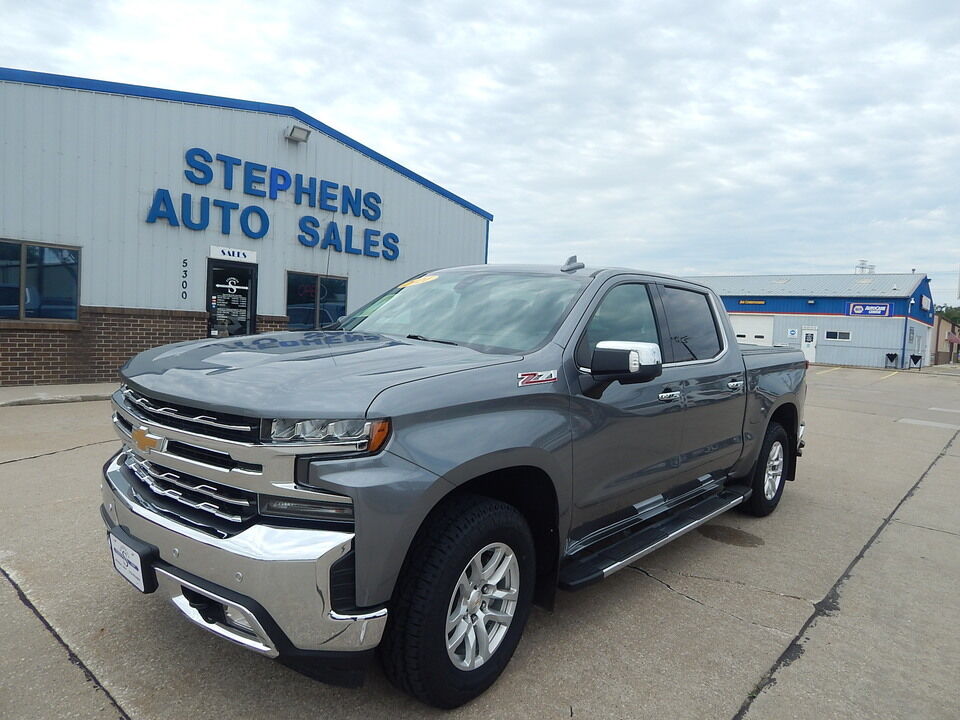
{"type": "Point", "coordinates": [354, 435]}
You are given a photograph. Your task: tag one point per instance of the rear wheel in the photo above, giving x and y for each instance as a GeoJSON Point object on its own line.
{"type": "Point", "coordinates": [462, 602]}
{"type": "Point", "coordinates": [773, 467]}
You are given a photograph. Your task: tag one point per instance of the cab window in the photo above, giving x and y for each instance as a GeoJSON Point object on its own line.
{"type": "Point", "coordinates": [693, 329]}
{"type": "Point", "coordinates": [624, 314]}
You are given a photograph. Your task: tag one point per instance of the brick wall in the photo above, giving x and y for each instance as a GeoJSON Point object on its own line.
{"type": "Point", "coordinates": [271, 323]}
{"type": "Point", "coordinates": [91, 350]}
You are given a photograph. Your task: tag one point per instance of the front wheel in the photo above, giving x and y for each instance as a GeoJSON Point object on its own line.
{"type": "Point", "coordinates": [462, 603]}
{"type": "Point", "coordinates": [773, 467]}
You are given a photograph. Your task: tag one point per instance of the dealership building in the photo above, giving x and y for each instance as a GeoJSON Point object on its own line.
{"type": "Point", "coordinates": [867, 320]}
{"type": "Point", "coordinates": [133, 216]}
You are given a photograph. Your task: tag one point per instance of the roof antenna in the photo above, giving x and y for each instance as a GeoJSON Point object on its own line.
{"type": "Point", "coordinates": [571, 265]}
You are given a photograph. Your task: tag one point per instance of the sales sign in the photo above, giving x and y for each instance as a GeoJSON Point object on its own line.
{"type": "Point", "coordinates": [868, 309]}
{"type": "Point", "coordinates": [235, 254]}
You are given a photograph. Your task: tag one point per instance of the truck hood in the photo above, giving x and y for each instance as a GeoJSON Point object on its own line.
{"type": "Point", "coordinates": [294, 374]}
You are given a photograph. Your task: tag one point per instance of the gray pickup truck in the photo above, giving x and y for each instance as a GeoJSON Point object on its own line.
{"type": "Point", "coordinates": [456, 450]}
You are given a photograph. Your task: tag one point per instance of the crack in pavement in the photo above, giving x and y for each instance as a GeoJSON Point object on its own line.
{"type": "Point", "coordinates": [739, 583]}
{"type": "Point", "coordinates": [926, 527]}
{"type": "Point", "coordinates": [830, 605]}
{"type": "Point", "coordinates": [71, 655]}
{"type": "Point", "coordinates": [703, 604]}
{"type": "Point", "coordinates": [55, 452]}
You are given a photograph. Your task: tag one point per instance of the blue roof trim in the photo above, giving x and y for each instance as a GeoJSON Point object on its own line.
{"type": "Point", "coordinates": [65, 81]}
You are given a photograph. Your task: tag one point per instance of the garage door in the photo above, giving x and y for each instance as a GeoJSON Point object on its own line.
{"type": "Point", "coordinates": [753, 329]}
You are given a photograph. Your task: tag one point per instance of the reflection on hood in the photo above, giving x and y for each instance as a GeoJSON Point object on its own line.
{"type": "Point", "coordinates": [286, 374]}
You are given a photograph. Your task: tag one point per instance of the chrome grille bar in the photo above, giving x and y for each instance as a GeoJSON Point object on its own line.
{"type": "Point", "coordinates": [145, 404]}
{"type": "Point", "coordinates": [202, 488]}
{"type": "Point", "coordinates": [143, 474]}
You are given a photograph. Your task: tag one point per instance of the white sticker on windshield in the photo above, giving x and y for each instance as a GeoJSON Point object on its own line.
{"type": "Point", "coordinates": [536, 378]}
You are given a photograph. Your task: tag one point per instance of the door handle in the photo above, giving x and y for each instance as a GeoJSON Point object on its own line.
{"type": "Point", "coordinates": [668, 396]}
{"type": "Point", "coordinates": [735, 384]}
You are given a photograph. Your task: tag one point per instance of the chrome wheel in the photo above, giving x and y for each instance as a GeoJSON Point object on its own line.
{"type": "Point", "coordinates": [482, 606]}
{"type": "Point", "coordinates": [774, 471]}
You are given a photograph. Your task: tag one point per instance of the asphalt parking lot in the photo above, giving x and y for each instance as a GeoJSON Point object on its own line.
{"type": "Point", "coordinates": [843, 603]}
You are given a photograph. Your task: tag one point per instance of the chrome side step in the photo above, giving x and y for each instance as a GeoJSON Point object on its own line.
{"type": "Point", "coordinates": [610, 569]}
{"type": "Point", "coordinates": [590, 566]}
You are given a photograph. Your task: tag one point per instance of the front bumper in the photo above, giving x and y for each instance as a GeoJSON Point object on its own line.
{"type": "Point", "coordinates": [276, 578]}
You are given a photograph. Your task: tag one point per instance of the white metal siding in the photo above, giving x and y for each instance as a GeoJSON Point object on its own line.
{"type": "Point", "coordinates": [80, 168]}
{"type": "Point", "coordinates": [870, 338]}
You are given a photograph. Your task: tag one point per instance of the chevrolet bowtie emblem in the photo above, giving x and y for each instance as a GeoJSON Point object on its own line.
{"type": "Point", "coordinates": [145, 441]}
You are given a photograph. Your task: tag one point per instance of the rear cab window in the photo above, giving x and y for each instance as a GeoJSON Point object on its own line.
{"type": "Point", "coordinates": [694, 330]}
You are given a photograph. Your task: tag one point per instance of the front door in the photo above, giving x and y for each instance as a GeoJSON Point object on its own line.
{"type": "Point", "coordinates": [808, 343]}
{"type": "Point", "coordinates": [625, 436]}
{"type": "Point", "coordinates": [231, 298]}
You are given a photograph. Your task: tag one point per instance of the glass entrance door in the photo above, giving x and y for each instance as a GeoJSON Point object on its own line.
{"type": "Point", "coordinates": [231, 298]}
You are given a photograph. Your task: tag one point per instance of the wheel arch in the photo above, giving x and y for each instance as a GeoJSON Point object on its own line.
{"type": "Point", "coordinates": [787, 416]}
{"type": "Point", "coordinates": [532, 491]}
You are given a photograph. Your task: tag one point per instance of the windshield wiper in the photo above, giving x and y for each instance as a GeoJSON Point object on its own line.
{"type": "Point", "coordinates": [426, 339]}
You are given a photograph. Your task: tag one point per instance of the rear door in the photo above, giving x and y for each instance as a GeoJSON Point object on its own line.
{"type": "Point", "coordinates": [710, 374]}
{"type": "Point", "coordinates": [625, 437]}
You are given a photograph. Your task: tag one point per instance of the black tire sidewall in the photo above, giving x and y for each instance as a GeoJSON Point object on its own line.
{"type": "Point", "coordinates": [444, 684]}
{"type": "Point", "coordinates": [759, 504]}
{"type": "Point", "coordinates": [472, 682]}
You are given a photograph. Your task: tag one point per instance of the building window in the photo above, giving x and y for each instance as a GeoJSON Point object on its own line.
{"type": "Point", "coordinates": [838, 335]}
{"type": "Point", "coordinates": [38, 282]}
{"type": "Point", "coordinates": [314, 301]}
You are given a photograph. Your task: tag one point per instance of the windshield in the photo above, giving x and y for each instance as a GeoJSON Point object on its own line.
{"type": "Point", "coordinates": [487, 310]}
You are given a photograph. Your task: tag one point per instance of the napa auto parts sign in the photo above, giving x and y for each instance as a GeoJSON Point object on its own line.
{"type": "Point", "coordinates": [868, 309]}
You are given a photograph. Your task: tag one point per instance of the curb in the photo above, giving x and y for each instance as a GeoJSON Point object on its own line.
{"type": "Point", "coordinates": [54, 399]}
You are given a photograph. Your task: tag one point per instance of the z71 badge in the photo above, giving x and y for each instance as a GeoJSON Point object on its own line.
{"type": "Point", "coordinates": [536, 378]}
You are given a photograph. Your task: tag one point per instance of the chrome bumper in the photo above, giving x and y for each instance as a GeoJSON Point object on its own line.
{"type": "Point", "coordinates": [285, 572]}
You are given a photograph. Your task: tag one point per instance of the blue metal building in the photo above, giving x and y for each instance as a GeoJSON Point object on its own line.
{"type": "Point", "coordinates": [868, 320]}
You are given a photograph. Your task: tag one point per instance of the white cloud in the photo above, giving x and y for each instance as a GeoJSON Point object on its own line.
{"type": "Point", "coordinates": [675, 136]}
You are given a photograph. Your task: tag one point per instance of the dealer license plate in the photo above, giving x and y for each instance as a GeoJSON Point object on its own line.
{"type": "Point", "coordinates": [128, 563]}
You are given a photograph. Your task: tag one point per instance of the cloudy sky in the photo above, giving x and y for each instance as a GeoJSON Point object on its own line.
{"type": "Point", "coordinates": [681, 137]}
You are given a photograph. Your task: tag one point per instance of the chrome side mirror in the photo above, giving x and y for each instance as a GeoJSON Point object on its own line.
{"type": "Point", "coordinates": [628, 362]}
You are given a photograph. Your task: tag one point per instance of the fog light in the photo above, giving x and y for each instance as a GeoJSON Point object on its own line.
{"type": "Point", "coordinates": [237, 619]}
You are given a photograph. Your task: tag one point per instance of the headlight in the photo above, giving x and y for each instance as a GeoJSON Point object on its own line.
{"type": "Point", "coordinates": [332, 435]}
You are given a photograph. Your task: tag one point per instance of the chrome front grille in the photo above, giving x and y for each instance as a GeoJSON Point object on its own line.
{"type": "Point", "coordinates": [218, 484]}
{"type": "Point", "coordinates": [214, 424]}
{"type": "Point", "coordinates": [185, 495]}
{"type": "Point", "coordinates": [208, 457]}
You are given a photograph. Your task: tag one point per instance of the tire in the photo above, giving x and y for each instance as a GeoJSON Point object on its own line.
{"type": "Point", "coordinates": [774, 466]}
{"type": "Point", "coordinates": [430, 607]}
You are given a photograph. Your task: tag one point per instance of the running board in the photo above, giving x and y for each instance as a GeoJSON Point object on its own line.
{"type": "Point", "coordinates": [590, 567]}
